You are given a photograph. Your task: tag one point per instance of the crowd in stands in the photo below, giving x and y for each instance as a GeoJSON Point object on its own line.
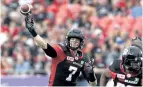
{"type": "Point", "coordinates": [109, 26]}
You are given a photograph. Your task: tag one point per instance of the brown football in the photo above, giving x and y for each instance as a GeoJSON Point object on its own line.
{"type": "Point", "coordinates": [25, 9]}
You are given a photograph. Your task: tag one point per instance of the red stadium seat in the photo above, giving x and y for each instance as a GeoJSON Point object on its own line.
{"type": "Point", "coordinates": [74, 10]}
{"type": "Point", "coordinates": [104, 22]}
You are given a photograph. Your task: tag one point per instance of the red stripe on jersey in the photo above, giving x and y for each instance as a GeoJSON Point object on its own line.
{"type": "Point", "coordinates": [113, 74]}
{"type": "Point", "coordinates": [55, 61]}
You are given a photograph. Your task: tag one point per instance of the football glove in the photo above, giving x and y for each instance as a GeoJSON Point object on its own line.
{"type": "Point", "coordinates": [29, 22]}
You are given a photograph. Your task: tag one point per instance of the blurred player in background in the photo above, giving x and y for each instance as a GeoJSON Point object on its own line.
{"type": "Point", "coordinates": [137, 41]}
{"type": "Point", "coordinates": [67, 58]}
{"type": "Point", "coordinates": [125, 72]}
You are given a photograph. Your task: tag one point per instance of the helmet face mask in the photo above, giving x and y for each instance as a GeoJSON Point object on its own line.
{"type": "Point", "coordinates": [132, 64]}
{"type": "Point", "coordinates": [75, 39]}
{"type": "Point", "coordinates": [131, 59]}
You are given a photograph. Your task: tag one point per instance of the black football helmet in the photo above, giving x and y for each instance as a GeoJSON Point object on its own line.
{"type": "Point", "coordinates": [131, 59]}
{"type": "Point", "coordinates": [75, 33]}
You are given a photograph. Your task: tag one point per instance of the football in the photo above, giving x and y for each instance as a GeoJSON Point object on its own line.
{"type": "Point", "coordinates": [25, 9]}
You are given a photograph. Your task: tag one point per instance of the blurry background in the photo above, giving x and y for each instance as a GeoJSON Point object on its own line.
{"type": "Point", "coordinates": [109, 26]}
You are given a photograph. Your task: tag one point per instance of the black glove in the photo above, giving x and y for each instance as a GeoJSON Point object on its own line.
{"type": "Point", "coordinates": [92, 62]}
{"type": "Point", "coordinates": [90, 72]}
{"type": "Point", "coordinates": [30, 25]}
{"type": "Point", "coordinates": [89, 68]}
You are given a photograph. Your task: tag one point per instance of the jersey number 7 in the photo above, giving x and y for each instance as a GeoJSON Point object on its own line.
{"type": "Point", "coordinates": [73, 69]}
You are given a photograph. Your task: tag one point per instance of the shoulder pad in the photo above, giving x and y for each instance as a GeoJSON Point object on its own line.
{"type": "Point", "coordinates": [64, 47]}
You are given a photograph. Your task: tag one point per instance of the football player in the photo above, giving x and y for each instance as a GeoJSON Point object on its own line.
{"type": "Point", "coordinates": [67, 58]}
{"type": "Point", "coordinates": [125, 72]}
{"type": "Point", "coordinates": [137, 41]}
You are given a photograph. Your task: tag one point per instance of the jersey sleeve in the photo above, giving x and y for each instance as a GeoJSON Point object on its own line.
{"type": "Point", "coordinates": [50, 51]}
{"type": "Point", "coordinates": [60, 53]}
{"type": "Point", "coordinates": [55, 51]}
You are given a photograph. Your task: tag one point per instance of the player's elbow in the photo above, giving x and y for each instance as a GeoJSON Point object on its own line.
{"type": "Point", "coordinates": [42, 45]}
{"type": "Point", "coordinates": [49, 50]}
{"type": "Point", "coordinates": [39, 41]}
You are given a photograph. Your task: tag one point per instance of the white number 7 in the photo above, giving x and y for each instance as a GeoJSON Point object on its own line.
{"type": "Point", "coordinates": [73, 69]}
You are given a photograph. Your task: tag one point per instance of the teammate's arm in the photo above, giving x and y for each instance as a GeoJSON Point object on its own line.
{"type": "Point", "coordinates": [49, 50]}
{"type": "Point", "coordinates": [104, 77]}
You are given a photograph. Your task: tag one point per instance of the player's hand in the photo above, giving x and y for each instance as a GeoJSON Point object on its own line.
{"type": "Point", "coordinates": [92, 62]}
{"type": "Point", "coordinates": [29, 22]}
{"type": "Point", "coordinates": [91, 74]}
{"type": "Point", "coordinates": [89, 68]}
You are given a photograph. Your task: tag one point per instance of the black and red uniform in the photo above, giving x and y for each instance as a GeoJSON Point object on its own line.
{"type": "Point", "coordinates": [66, 67]}
{"type": "Point", "coordinates": [121, 78]}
